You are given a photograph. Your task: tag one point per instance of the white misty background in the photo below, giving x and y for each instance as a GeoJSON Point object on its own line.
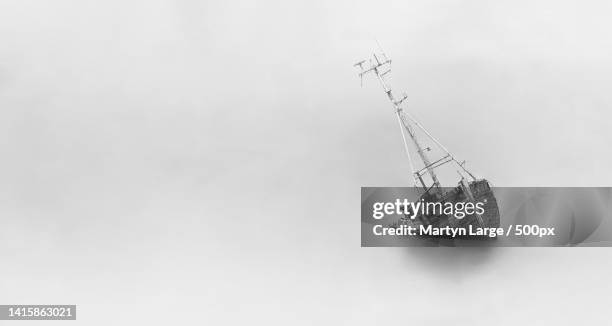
{"type": "Point", "coordinates": [181, 161]}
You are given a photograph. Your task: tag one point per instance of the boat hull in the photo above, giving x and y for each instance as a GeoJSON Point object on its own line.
{"type": "Point", "coordinates": [479, 192]}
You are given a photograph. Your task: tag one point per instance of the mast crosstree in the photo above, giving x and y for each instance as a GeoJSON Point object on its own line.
{"type": "Point", "coordinates": [381, 67]}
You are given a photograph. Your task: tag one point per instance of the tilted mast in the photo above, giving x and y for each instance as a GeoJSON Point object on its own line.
{"type": "Point", "coordinates": [405, 121]}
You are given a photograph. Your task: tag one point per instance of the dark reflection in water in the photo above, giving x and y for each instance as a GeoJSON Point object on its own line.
{"type": "Point", "coordinates": [449, 261]}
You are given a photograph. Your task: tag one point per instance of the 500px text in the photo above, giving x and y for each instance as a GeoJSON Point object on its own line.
{"type": "Point", "coordinates": [447, 231]}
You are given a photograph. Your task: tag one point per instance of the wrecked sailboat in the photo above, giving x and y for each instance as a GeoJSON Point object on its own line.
{"type": "Point", "coordinates": [469, 189]}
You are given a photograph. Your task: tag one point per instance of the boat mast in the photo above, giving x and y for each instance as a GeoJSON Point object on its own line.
{"type": "Point", "coordinates": [375, 68]}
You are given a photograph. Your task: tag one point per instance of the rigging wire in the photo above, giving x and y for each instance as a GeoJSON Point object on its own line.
{"type": "Point", "coordinates": [437, 142]}
{"type": "Point", "coordinates": [399, 120]}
